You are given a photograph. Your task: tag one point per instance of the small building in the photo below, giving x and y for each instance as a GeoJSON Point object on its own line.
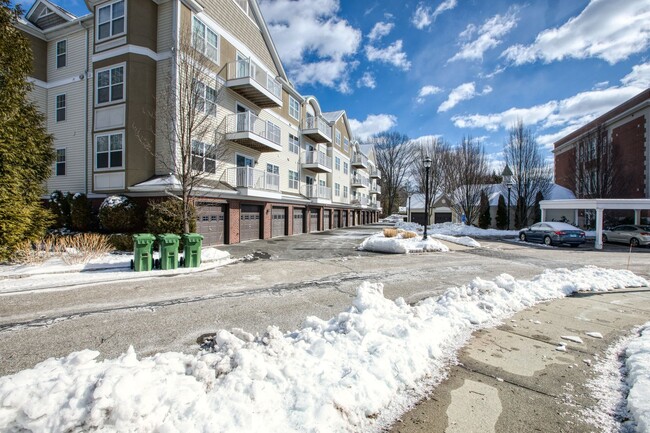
{"type": "Point", "coordinates": [439, 213]}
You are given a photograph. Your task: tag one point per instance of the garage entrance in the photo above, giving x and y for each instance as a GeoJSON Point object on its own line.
{"type": "Point", "coordinates": [279, 222]}
{"type": "Point", "coordinates": [442, 217]}
{"type": "Point", "coordinates": [314, 217]}
{"type": "Point", "coordinates": [250, 222]}
{"type": "Point", "coordinates": [327, 217]}
{"type": "Point", "coordinates": [211, 222]}
{"type": "Point", "coordinates": [298, 221]}
{"type": "Point", "coordinates": [337, 218]}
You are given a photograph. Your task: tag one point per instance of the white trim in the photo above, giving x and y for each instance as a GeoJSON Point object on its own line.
{"type": "Point", "coordinates": [115, 42]}
{"type": "Point", "coordinates": [96, 85]}
{"type": "Point", "coordinates": [207, 28]}
{"type": "Point", "coordinates": [96, 26]}
{"type": "Point", "coordinates": [291, 98]}
{"type": "Point", "coordinates": [58, 83]}
{"type": "Point", "coordinates": [56, 53]}
{"type": "Point", "coordinates": [109, 133]}
{"type": "Point", "coordinates": [132, 49]}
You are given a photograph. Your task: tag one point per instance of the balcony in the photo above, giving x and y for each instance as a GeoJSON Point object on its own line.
{"type": "Point", "coordinates": [360, 201]}
{"type": "Point", "coordinates": [360, 161]}
{"type": "Point", "coordinates": [317, 193]}
{"type": "Point", "coordinates": [317, 129]}
{"type": "Point", "coordinates": [249, 130]}
{"type": "Point", "coordinates": [375, 174]}
{"type": "Point", "coordinates": [375, 189]}
{"type": "Point", "coordinates": [255, 84]}
{"type": "Point", "coordinates": [317, 162]}
{"type": "Point", "coordinates": [252, 182]}
{"type": "Point", "coordinates": [360, 182]}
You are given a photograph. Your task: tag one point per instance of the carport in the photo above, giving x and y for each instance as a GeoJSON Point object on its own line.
{"type": "Point", "coordinates": [599, 205]}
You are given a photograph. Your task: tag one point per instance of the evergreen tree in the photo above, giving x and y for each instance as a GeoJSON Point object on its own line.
{"type": "Point", "coordinates": [502, 214]}
{"type": "Point", "coordinates": [520, 214]}
{"type": "Point", "coordinates": [26, 153]}
{"type": "Point", "coordinates": [484, 219]}
{"type": "Point", "coordinates": [538, 210]}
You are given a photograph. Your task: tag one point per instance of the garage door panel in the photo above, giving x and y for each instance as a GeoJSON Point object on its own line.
{"type": "Point", "coordinates": [211, 223]}
{"type": "Point", "coordinates": [314, 215]}
{"type": "Point", "coordinates": [298, 221]}
{"type": "Point", "coordinates": [249, 222]}
{"type": "Point", "coordinates": [442, 217]}
{"type": "Point", "coordinates": [337, 219]}
{"type": "Point", "coordinates": [279, 222]}
{"type": "Point", "coordinates": [326, 219]}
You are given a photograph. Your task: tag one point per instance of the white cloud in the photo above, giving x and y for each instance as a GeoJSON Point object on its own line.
{"type": "Point", "coordinates": [426, 91]}
{"type": "Point", "coordinates": [489, 35]}
{"type": "Point", "coordinates": [312, 27]}
{"type": "Point", "coordinates": [462, 93]}
{"type": "Point", "coordinates": [446, 5]}
{"type": "Point", "coordinates": [639, 77]}
{"type": "Point", "coordinates": [380, 30]}
{"type": "Point", "coordinates": [367, 80]}
{"type": "Point", "coordinates": [423, 16]}
{"type": "Point", "coordinates": [374, 124]}
{"type": "Point", "coordinates": [611, 30]}
{"type": "Point", "coordinates": [392, 54]}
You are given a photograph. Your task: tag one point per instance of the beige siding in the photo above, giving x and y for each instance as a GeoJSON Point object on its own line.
{"type": "Point", "coordinates": [76, 57]}
{"type": "Point", "coordinates": [165, 26]}
{"type": "Point", "coordinates": [339, 177]}
{"type": "Point", "coordinates": [163, 147]}
{"type": "Point", "coordinates": [38, 95]}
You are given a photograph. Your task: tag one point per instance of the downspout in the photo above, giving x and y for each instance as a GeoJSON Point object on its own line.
{"type": "Point", "coordinates": [86, 109]}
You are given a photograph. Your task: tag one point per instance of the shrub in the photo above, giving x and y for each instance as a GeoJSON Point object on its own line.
{"type": "Point", "coordinates": [121, 242]}
{"type": "Point", "coordinates": [485, 219]}
{"type": "Point", "coordinates": [502, 214]}
{"type": "Point", "coordinates": [118, 213]}
{"type": "Point", "coordinates": [81, 216]}
{"type": "Point", "coordinates": [409, 235]}
{"type": "Point", "coordinates": [390, 233]}
{"type": "Point", "coordinates": [79, 248]}
{"type": "Point", "coordinates": [61, 206]}
{"type": "Point", "coordinates": [167, 217]}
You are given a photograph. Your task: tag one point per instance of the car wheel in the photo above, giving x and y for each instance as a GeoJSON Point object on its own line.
{"type": "Point", "coordinates": [547, 240]}
{"type": "Point", "coordinates": [604, 239]}
{"type": "Point", "coordinates": [634, 242]}
{"type": "Point", "coordinates": [522, 237]}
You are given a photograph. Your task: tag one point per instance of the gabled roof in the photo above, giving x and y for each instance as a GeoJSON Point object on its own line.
{"type": "Point", "coordinates": [495, 190]}
{"type": "Point", "coordinates": [54, 8]}
{"type": "Point", "coordinates": [269, 41]}
{"type": "Point", "coordinates": [333, 116]}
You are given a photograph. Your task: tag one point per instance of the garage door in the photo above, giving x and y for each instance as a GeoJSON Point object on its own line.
{"type": "Point", "coordinates": [211, 222]}
{"type": "Point", "coordinates": [298, 221]}
{"type": "Point", "coordinates": [327, 217]}
{"type": "Point", "coordinates": [442, 217]}
{"type": "Point", "coordinates": [314, 215]}
{"type": "Point", "coordinates": [418, 217]}
{"type": "Point", "coordinates": [279, 223]}
{"type": "Point", "coordinates": [249, 223]}
{"type": "Point", "coordinates": [337, 218]}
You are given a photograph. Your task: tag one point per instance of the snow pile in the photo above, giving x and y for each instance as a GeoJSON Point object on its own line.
{"type": "Point", "coordinates": [398, 245]}
{"type": "Point", "coordinates": [455, 229]}
{"type": "Point", "coordinates": [460, 240]}
{"type": "Point", "coordinates": [355, 372]}
{"type": "Point", "coordinates": [638, 379]}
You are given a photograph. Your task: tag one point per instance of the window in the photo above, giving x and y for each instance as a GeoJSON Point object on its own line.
{"type": "Point", "coordinates": [293, 179]}
{"type": "Point", "coordinates": [321, 182]}
{"type": "Point", "coordinates": [345, 168]}
{"type": "Point", "coordinates": [60, 162]}
{"type": "Point", "coordinates": [205, 40]}
{"type": "Point", "coordinates": [273, 132]}
{"type": "Point", "coordinates": [337, 163]}
{"type": "Point", "coordinates": [338, 137]}
{"type": "Point", "coordinates": [109, 150]}
{"type": "Point", "coordinates": [61, 50]}
{"type": "Point", "coordinates": [271, 168]}
{"type": "Point", "coordinates": [110, 85]}
{"type": "Point", "coordinates": [245, 161]}
{"type": "Point", "coordinates": [346, 144]}
{"type": "Point", "coordinates": [294, 108]}
{"type": "Point", "coordinates": [110, 20]}
{"type": "Point", "coordinates": [206, 98]}
{"type": "Point", "coordinates": [204, 157]}
{"type": "Point", "coordinates": [345, 191]}
{"type": "Point", "coordinates": [337, 189]}
{"type": "Point", "coordinates": [294, 144]}
{"type": "Point", "coordinates": [60, 108]}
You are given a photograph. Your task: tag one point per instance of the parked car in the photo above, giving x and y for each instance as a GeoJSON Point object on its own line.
{"type": "Point", "coordinates": [553, 233]}
{"type": "Point", "coordinates": [628, 234]}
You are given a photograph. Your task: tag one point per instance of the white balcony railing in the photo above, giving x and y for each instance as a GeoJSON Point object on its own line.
{"type": "Point", "coordinates": [359, 200]}
{"type": "Point", "coordinates": [249, 122]}
{"type": "Point", "coordinates": [317, 123]}
{"type": "Point", "coordinates": [248, 177]}
{"type": "Point", "coordinates": [315, 157]}
{"type": "Point", "coordinates": [375, 189]}
{"type": "Point", "coordinates": [360, 180]}
{"type": "Point", "coordinates": [376, 173]}
{"type": "Point", "coordinates": [317, 191]}
{"type": "Point", "coordinates": [360, 159]}
{"type": "Point", "coordinates": [247, 68]}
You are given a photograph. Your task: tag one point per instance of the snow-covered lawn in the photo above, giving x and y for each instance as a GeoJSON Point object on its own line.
{"type": "Point", "coordinates": [638, 379]}
{"type": "Point", "coordinates": [355, 372]}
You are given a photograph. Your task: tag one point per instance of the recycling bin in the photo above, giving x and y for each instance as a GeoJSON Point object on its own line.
{"type": "Point", "coordinates": [192, 250]}
{"type": "Point", "coordinates": [168, 244]}
{"type": "Point", "coordinates": [143, 252]}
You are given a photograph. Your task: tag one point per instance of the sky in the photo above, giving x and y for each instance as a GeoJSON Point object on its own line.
{"type": "Point", "coordinates": [455, 68]}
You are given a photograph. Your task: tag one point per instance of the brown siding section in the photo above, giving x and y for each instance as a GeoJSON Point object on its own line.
{"type": "Point", "coordinates": [39, 59]}
{"type": "Point", "coordinates": [142, 23]}
{"type": "Point", "coordinates": [628, 141]}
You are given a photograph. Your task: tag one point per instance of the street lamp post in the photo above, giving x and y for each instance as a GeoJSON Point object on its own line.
{"type": "Point", "coordinates": [427, 167]}
{"type": "Point", "coordinates": [507, 179]}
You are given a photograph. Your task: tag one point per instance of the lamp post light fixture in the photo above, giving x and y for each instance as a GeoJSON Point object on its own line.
{"type": "Point", "coordinates": [427, 167]}
{"type": "Point", "coordinates": [507, 180]}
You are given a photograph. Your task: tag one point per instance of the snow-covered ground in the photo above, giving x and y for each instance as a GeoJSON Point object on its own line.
{"type": "Point", "coordinates": [455, 229]}
{"type": "Point", "coordinates": [354, 372]}
{"type": "Point", "coordinates": [399, 245]}
{"type": "Point", "coordinates": [108, 267]}
{"type": "Point", "coordinates": [638, 378]}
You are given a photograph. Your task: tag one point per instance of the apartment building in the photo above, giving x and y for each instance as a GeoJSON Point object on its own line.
{"type": "Point", "coordinates": [280, 165]}
{"type": "Point", "coordinates": [610, 156]}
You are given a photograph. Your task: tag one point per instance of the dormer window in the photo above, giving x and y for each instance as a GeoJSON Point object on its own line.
{"type": "Point", "coordinates": [110, 20]}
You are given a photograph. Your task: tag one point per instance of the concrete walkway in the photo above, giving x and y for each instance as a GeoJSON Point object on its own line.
{"type": "Point", "coordinates": [512, 378]}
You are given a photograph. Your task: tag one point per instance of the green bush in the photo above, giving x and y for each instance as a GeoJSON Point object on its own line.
{"type": "Point", "coordinates": [167, 217]}
{"type": "Point", "coordinates": [121, 241]}
{"type": "Point", "coordinates": [81, 216]}
{"type": "Point", "coordinates": [61, 207]}
{"type": "Point", "coordinates": [118, 214]}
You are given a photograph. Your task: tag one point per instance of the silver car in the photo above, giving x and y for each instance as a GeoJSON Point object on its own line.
{"type": "Point", "coordinates": [628, 234]}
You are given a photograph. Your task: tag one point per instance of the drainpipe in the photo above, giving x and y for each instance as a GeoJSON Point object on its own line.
{"type": "Point", "coordinates": [86, 110]}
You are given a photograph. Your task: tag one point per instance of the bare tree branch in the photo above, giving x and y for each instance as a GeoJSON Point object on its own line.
{"type": "Point", "coordinates": [394, 153]}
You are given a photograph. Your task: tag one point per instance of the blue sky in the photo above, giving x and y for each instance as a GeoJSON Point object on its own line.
{"type": "Point", "coordinates": [452, 68]}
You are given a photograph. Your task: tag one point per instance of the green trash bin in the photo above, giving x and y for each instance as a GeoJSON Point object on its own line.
{"type": "Point", "coordinates": [168, 244]}
{"type": "Point", "coordinates": [192, 249]}
{"type": "Point", "coordinates": [143, 251]}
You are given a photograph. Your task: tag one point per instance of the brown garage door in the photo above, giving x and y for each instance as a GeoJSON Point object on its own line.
{"type": "Point", "coordinates": [313, 219]}
{"type": "Point", "coordinates": [249, 223]}
{"type": "Point", "coordinates": [298, 221]}
{"type": "Point", "coordinates": [279, 223]}
{"type": "Point", "coordinates": [337, 219]}
{"type": "Point", "coordinates": [211, 222]}
{"type": "Point", "coordinates": [442, 217]}
{"type": "Point", "coordinates": [327, 217]}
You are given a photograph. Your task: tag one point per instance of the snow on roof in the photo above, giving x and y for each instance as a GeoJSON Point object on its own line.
{"type": "Point", "coordinates": [417, 200]}
{"type": "Point", "coordinates": [332, 116]}
{"type": "Point", "coordinates": [495, 190]}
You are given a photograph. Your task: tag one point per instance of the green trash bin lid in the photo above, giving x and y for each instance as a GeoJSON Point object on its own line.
{"type": "Point", "coordinates": [192, 237]}
{"type": "Point", "coordinates": [168, 237]}
{"type": "Point", "coordinates": [144, 237]}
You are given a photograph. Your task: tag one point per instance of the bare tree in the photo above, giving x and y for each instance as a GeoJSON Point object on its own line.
{"type": "Point", "coordinates": [186, 140]}
{"type": "Point", "coordinates": [595, 167]}
{"type": "Point", "coordinates": [438, 150]}
{"type": "Point", "coordinates": [465, 176]}
{"type": "Point", "coordinates": [531, 173]}
{"type": "Point", "coordinates": [394, 154]}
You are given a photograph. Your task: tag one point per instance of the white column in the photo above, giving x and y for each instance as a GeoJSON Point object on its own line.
{"type": "Point", "coordinates": [637, 217]}
{"type": "Point", "coordinates": [576, 215]}
{"type": "Point", "coordinates": [599, 229]}
{"type": "Point", "coordinates": [543, 215]}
